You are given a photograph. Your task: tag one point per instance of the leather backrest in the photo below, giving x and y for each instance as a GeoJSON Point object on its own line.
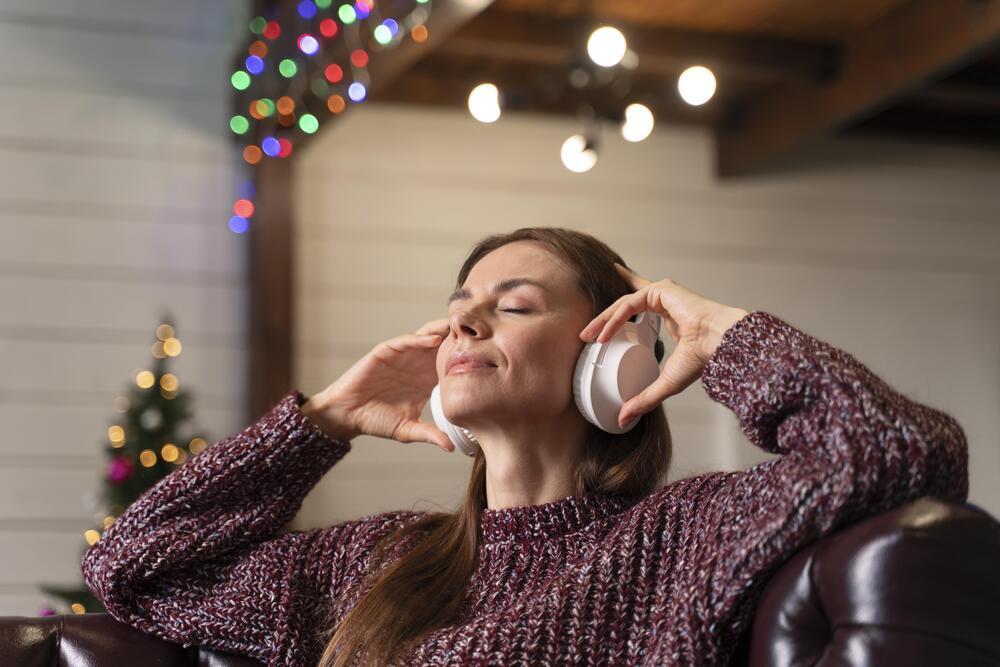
{"type": "Point", "coordinates": [917, 585]}
{"type": "Point", "coordinates": [98, 640]}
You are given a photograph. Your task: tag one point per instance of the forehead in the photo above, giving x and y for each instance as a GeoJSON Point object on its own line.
{"type": "Point", "coordinates": [523, 258]}
{"type": "Point", "coordinates": [518, 260]}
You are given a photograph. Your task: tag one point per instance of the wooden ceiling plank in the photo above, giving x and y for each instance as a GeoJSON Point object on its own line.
{"type": "Point", "coordinates": [896, 55]}
{"type": "Point", "coordinates": [538, 40]}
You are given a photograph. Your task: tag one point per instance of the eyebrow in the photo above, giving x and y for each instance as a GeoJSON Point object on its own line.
{"type": "Point", "coordinates": [502, 286]}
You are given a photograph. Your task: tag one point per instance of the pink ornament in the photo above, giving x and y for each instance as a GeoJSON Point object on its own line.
{"type": "Point", "coordinates": [47, 611]}
{"type": "Point", "coordinates": [119, 469]}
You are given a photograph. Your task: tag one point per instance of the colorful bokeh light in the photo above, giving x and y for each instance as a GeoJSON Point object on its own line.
{"type": "Point", "coordinates": [308, 44]}
{"type": "Point", "coordinates": [254, 64]}
{"type": "Point", "coordinates": [239, 124]}
{"type": "Point", "coordinates": [270, 146]}
{"type": "Point", "coordinates": [240, 80]}
{"type": "Point", "coordinates": [307, 9]}
{"type": "Point", "coordinates": [308, 123]}
{"type": "Point", "coordinates": [334, 73]}
{"type": "Point", "coordinates": [328, 28]}
{"type": "Point", "coordinates": [272, 30]}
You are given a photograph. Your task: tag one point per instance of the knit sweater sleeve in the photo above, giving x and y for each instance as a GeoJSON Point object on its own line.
{"type": "Point", "coordinates": [198, 558]}
{"type": "Point", "coordinates": [851, 447]}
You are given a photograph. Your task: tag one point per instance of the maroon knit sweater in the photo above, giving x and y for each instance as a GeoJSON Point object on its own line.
{"type": "Point", "coordinates": [668, 579]}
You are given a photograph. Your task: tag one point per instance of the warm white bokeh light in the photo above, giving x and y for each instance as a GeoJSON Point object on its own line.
{"type": "Point", "coordinates": [606, 46]}
{"type": "Point", "coordinates": [484, 103]}
{"type": "Point", "coordinates": [638, 122]}
{"type": "Point", "coordinates": [696, 85]}
{"type": "Point", "coordinates": [575, 154]}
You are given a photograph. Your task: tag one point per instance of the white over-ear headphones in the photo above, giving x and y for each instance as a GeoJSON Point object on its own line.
{"type": "Point", "coordinates": [607, 375]}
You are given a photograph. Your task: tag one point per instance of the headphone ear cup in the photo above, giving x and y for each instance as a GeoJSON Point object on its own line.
{"type": "Point", "coordinates": [625, 369]}
{"type": "Point", "coordinates": [462, 438]}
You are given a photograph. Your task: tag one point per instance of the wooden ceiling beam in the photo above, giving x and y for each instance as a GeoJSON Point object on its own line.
{"type": "Point", "coordinates": [902, 51]}
{"type": "Point", "coordinates": [535, 39]}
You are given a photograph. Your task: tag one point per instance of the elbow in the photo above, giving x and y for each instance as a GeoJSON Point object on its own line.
{"type": "Point", "coordinates": [955, 455]}
{"type": "Point", "coordinates": [945, 473]}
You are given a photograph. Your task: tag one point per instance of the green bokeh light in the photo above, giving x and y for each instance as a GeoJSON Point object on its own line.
{"type": "Point", "coordinates": [257, 25]}
{"type": "Point", "coordinates": [240, 80]}
{"type": "Point", "coordinates": [347, 14]}
{"type": "Point", "coordinates": [323, 4]}
{"type": "Point", "coordinates": [382, 34]}
{"type": "Point", "coordinates": [308, 123]}
{"type": "Point", "coordinates": [319, 87]}
{"type": "Point", "coordinates": [239, 124]}
{"type": "Point", "coordinates": [288, 68]}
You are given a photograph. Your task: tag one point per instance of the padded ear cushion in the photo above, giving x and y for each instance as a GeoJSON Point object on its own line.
{"type": "Point", "coordinates": [581, 381]}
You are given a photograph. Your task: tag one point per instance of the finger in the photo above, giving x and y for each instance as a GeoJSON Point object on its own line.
{"type": "Point", "coordinates": [438, 326]}
{"type": "Point", "coordinates": [599, 321]}
{"type": "Point", "coordinates": [635, 303]}
{"type": "Point", "coordinates": [418, 431]}
{"type": "Point", "coordinates": [401, 343]}
{"type": "Point", "coordinates": [677, 374]}
{"type": "Point", "coordinates": [653, 395]}
{"type": "Point", "coordinates": [634, 278]}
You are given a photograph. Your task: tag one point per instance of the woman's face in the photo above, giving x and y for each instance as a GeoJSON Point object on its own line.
{"type": "Point", "coordinates": [535, 351]}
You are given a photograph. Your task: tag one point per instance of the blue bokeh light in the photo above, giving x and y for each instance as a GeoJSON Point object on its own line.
{"type": "Point", "coordinates": [307, 9]}
{"type": "Point", "coordinates": [356, 91]}
{"type": "Point", "coordinates": [238, 225]}
{"type": "Point", "coordinates": [246, 189]}
{"type": "Point", "coordinates": [255, 64]}
{"type": "Point", "coordinates": [271, 146]}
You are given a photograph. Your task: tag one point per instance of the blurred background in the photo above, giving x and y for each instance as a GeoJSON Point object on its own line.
{"type": "Point", "coordinates": [204, 205]}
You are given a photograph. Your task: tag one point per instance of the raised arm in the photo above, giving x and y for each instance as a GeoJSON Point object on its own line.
{"type": "Point", "coordinates": [198, 558]}
{"type": "Point", "coordinates": [850, 447]}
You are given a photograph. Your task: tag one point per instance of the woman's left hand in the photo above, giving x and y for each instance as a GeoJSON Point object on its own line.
{"type": "Point", "coordinates": [695, 323]}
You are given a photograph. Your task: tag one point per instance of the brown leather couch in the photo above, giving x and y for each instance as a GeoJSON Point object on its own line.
{"type": "Point", "coordinates": [915, 586]}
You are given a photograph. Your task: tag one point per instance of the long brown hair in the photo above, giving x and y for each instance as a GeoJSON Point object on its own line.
{"type": "Point", "coordinates": [423, 589]}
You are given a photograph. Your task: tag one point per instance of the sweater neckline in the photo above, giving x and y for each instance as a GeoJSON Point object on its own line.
{"type": "Point", "coordinates": [548, 520]}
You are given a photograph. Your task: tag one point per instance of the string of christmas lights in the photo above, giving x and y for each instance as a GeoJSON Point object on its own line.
{"type": "Point", "coordinates": [304, 67]}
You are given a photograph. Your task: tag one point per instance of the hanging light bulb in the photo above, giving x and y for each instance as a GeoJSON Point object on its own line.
{"type": "Point", "coordinates": [484, 103]}
{"type": "Point", "coordinates": [696, 85]}
{"type": "Point", "coordinates": [638, 122]}
{"type": "Point", "coordinates": [578, 154]}
{"type": "Point", "coordinates": [606, 46]}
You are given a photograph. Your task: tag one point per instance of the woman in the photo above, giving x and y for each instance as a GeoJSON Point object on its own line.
{"type": "Point", "coordinates": [565, 550]}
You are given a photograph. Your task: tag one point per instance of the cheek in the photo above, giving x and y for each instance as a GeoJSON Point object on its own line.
{"type": "Point", "coordinates": [543, 357]}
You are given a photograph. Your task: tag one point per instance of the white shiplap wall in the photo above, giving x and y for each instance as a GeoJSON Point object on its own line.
{"type": "Point", "coordinates": [116, 178]}
{"type": "Point", "coordinates": [887, 249]}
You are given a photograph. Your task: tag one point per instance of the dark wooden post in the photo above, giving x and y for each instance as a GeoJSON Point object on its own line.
{"type": "Point", "coordinates": [271, 307]}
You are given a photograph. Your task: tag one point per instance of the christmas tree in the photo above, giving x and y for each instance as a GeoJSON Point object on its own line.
{"type": "Point", "coordinates": [142, 446]}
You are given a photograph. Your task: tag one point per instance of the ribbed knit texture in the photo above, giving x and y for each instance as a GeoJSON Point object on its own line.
{"type": "Point", "coordinates": [668, 579]}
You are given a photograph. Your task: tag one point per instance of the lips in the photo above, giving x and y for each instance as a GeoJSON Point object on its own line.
{"type": "Point", "coordinates": [468, 361]}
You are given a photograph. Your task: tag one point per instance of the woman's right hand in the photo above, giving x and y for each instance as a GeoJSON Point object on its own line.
{"type": "Point", "coordinates": [384, 392]}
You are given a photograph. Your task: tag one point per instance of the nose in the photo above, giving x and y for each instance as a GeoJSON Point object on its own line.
{"type": "Point", "coordinates": [463, 323]}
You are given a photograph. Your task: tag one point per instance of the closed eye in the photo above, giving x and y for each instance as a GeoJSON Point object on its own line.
{"type": "Point", "coordinates": [515, 310]}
